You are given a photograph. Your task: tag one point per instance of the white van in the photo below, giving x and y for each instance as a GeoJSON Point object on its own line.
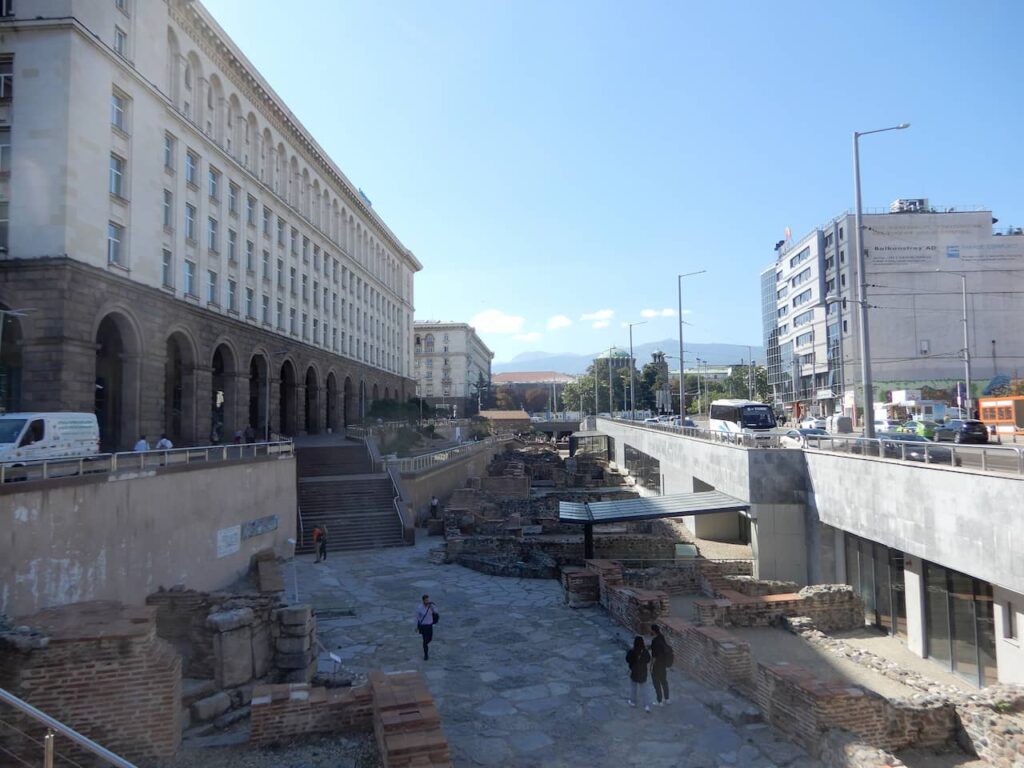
{"type": "Point", "coordinates": [34, 436]}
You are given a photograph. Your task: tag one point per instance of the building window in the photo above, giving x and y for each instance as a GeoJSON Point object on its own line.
{"type": "Point", "coordinates": [232, 296]}
{"type": "Point", "coordinates": [280, 231]}
{"type": "Point", "coordinates": [801, 257]}
{"type": "Point", "coordinates": [211, 286]}
{"type": "Point", "coordinates": [232, 246]}
{"type": "Point", "coordinates": [305, 287]}
{"type": "Point", "coordinates": [802, 298]}
{"type": "Point", "coordinates": [250, 256]}
{"type": "Point", "coordinates": [190, 278]}
{"type": "Point", "coordinates": [121, 5]}
{"type": "Point", "coordinates": [295, 244]}
{"type": "Point", "coordinates": [266, 265]}
{"type": "Point", "coordinates": [305, 325]}
{"type": "Point", "coordinates": [316, 330]}
{"type": "Point", "coordinates": [190, 222]}
{"type": "Point", "coordinates": [804, 339]}
{"type": "Point", "coordinates": [167, 269]}
{"type": "Point", "coordinates": [293, 281]}
{"type": "Point", "coordinates": [5, 150]}
{"type": "Point", "coordinates": [213, 176]}
{"type": "Point", "coordinates": [116, 176]}
{"type": "Point", "coordinates": [118, 106]}
{"type": "Point", "coordinates": [191, 167]}
{"type": "Point", "coordinates": [266, 309]}
{"type": "Point", "coordinates": [291, 320]}
{"type": "Point", "coordinates": [280, 315]}
{"type": "Point", "coordinates": [6, 7]}
{"type": "Point", "coordinates": [211, 233]}
{"type": "Point", "coordinates": [6, 78]}
{"type": "Point", "coordinates": [316, 294]}
{"type": "Point", "coordinates": [803, 318]}
{"type": "Point", "coordinates": [1010, 621]}
{"type": "Point", "coordinates": [266, 221]}
{"type": "Point", "coordinates": [250, 211]}
{"type": "Point", "coordinates": [280, 273]}
{"type": "Point", "coordinates": [250, 303]}
{"type": "Point", "coordinates": [233, 199]}
{"type": "Point", "coordinates": [169, 143]}
{"type": "Point", "coordinates": [115, 241]}
{"type": "Point", "coordinates": [168, 209]}
{"type": "Point", "coordinates": [120, 42]}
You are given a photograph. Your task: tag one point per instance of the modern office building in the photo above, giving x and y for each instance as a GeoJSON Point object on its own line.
{"type": "Point", "coordinates": [452, 366]}
{"type": "Point", "coordinates": [195, 260]}
{"type": "Point", "coordinates": [926, 270]}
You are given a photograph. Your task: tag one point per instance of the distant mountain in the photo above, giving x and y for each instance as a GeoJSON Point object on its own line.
{"type": "Point", "coordinates": [566, 362]}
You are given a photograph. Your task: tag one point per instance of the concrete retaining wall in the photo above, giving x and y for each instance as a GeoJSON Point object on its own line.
{"type": "Point", "coordinates": [122, 537]}
{"type": "Point", "coordinates": [418, 487]}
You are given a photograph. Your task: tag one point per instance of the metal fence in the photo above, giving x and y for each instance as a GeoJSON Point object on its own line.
{"type": "Point", "coordinates": [427, 461]}
{"type": "Point", "coordinates": [108, 463]}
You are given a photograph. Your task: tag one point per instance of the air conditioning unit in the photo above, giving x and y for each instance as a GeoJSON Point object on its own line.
{"type": "Point", "coordinates": [909, 205]}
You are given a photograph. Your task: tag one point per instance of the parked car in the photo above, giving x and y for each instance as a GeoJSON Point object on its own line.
{"type": "Point", "coordinates": [812, 422]}
{"type": "Point", "coordinates": [922, 427]}
{"type": "Point", "coordinates": [801, 438]}
{"type": "Point", "coordinates": [887, 425]}
{"type": "Point", "coordinates": [964, 431]}
{"type": "Point", "coordinates": [904, 445]}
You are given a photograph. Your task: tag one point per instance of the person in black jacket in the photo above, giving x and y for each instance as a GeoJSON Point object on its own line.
{"type": "Point", "coordinates": [638, 658]}
{"type": "Point", "coordinates": [659, 666]}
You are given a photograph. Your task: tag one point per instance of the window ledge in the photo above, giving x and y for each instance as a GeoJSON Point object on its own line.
{"type": "Point", "coordinates": [118, 266]}
{"type": "Point", "coordinates": [168, 288]}
{"type": "Point", "coordinates": [119, 131]}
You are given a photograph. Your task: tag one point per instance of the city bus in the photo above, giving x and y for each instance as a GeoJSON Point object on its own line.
{"type": "Point", "coordinates": [742, 417]}
{"type": "Point", "coordinates": [1003, 415]}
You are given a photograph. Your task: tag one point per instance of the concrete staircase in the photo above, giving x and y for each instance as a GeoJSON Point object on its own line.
{"type": "Point", "coordinates": [339, 489]}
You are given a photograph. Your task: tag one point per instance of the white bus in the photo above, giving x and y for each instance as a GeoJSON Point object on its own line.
{"type": "Point", "coordinates": [742, 417]}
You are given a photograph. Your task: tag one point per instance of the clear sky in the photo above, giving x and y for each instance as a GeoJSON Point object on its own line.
{"type": "Point", "coordinates": [555, 165]}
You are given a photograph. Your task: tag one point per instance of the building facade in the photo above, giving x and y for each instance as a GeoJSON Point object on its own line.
{"type": "Point", "coordinates": [195, 262]}
{"type": "Point", "coordinates": [926, 270]}
{"type": "Point", "coordinates": [534, 390]}
{"type": "Point", "coordinates": [452, 366]}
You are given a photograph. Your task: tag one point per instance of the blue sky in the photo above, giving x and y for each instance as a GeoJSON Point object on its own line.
{"type": "Point", "coordinates": [554, 166]}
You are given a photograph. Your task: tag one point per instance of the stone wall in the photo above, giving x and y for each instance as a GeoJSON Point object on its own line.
{"type": "Point", "coordinates": [678, 578]}
{"type": "Point", "coordinates": [992, 724]}
{"type": "Point", "coordinates": [580, 586]}
{"type": "Point", "coordinates": [636, 608]}
{"type": "Point", "coordinates": [710, 655]}
{"type": "Point", "coordinates": [830, 606]}
{"type": "Point", "coordinates": [842, 749]}
{"type": "Point", "coordinates": [806, 707]}
{"type": "Point", "coordinates": [99, 668]}
{"type": "Point", "coordinates": [748, 585]}
{"type": "Point", "coordinates": [506, 487]}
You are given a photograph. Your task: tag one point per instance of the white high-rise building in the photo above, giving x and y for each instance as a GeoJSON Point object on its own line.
{"type": "Point", "coordinates": [197, 262]}
{"type": "Point", "coordinates": [452, 367]}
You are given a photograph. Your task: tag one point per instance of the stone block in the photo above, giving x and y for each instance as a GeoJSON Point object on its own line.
{"type": "Point", "coordinates": [232, 717]}
{"type": "Point", "coordinates": [304, 675]}
{"type": "Point", "coordinates": [295, 630]}
{"type": "Point", "coordinates": [293, 660]}
{"type": "Point", "coordinates": [211, 707]}
{"type": "Point", "coordinates": [294, 614]}
{"type": "Point", "coordinates": [225, 621]}
{"type": "Point", "coordinates": [233, 657]}
{"type": "Point", "coordinates": [193, 689]}
{"type": "Point", "coordinates": [262, 650]}
{"type": "Point", "coordinates": [286, 644]}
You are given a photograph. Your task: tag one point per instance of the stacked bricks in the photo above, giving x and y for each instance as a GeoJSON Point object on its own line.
{"type": "Point", "coordinates": [711, 655]}
{"type": "Point", "coordinates": [406, 722]}
{"type": "Point", "coordinates": [830, 606]}
{"type": "Point", "coordinates": [284, 711]}
{"type": "Point", "coordinates": [805, 707]}
{"type": "Point", "coordinates": [580, 586]}
{"type": "Point", "coordinates": [751, 587]}
{"type": "Point", "coordinates": [609, 574]}
{"type": "Point", "coordinates": [104, 672]}
{"type": "Point", "coordinates": [294, 635]}
{"type": "Point", "coordinates": [636, 608]}
{"type": "Point", "coordinates": [681, 578]}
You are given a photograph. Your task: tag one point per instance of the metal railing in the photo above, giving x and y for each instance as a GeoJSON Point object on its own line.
{"type": "Point", "coordinates": [739, 439]}
{"type": "Point", "coordinates": [390, 467]}
{"type": "Point", "coordinates": [140, 461]}
{"type": "Point", "coordinates": [55, 726]}
{"type": "Point", "coordinates": [430, 460]}
{"type": "Point", "coordinates": [1003, 459]}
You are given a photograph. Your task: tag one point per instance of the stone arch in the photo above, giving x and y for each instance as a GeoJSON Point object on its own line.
{"type": "Point", "coordinates": [312, 401]}
{"type": "Point", "coordinates": [192, 76]}
{"type": "Point", "coordinates": [387, 393]}
{"type": "Point", "coordinates": [117, 376]}
{"type": "Point", "coordinates": [314, 213]}
{"type": "Point", "coordinates": [233, 125]}
{"type": "Point", "coordinates": [180, 386]}
{"type": "Point", "coordinates": [292, 195]}
{"type": "Point", "coordinates": [11, 361]}
{"type": "Point", "coordinates": [304, 188]}
{"type": "Point", "coordinates": [362, 400]}
{"type": "Point", "coordinates": [348, 402]}
{"type": "Point", "coordinates": [267, 159]}
{"type": "Point", "coordinates": [331, 404]}
{"type": "Point", "coordinates": [250, 130]}
{"type": "Point", "coordinates": [287, 402]}
{"type": "Point", "coordinates": [335, 221]}
{"type": "Point", "coordinates": [281, 171]}
{"type": "Point", "coordinates": [325, 213]}
{"type": "Point", "coordinates": [259, 393]}
{"type": "Point", "coordinates": [224, 390]}
{"type": "Point", "coordinates": [213, 119]}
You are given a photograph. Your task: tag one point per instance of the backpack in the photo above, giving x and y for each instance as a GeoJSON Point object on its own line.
{"type": "Point", "coordinates": [670, 655]}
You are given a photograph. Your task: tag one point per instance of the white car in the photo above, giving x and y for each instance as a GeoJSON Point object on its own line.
{"type": "Point", "coordinates": [812, 422]}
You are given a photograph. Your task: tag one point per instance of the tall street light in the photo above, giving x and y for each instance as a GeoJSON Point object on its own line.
{"type": "Point", "coordinates": [679, 292]}
{"type": "Point", "coordinates": [967, 350]}
{"type": "Point", "coordinates": [632, 385]}
{"type": "Point", "coordinates": [862, 294]}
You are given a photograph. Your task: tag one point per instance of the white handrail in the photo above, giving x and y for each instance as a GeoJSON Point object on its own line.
{"type": "Point", "coordinates": [101, 463]}
{"type": "Point", "coordinates": [55, 725]}
{"type": "Point", "coordinates": [425, 461]}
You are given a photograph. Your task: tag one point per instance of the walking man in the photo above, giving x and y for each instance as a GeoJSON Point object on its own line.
{"type": "Point", "coordinates": [662, 658]}
{"type": "Point", "coordinates": [320, 543]}
{"type": "Point", "coordinates": [435, 507]}
{"type": "Point", "coordinates": [426, 617]}
{"type": "Point", "coordinates": [141, 445]}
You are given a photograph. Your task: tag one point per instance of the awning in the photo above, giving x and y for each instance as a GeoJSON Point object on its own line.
{"type": "Point", "coordinates": [649, 508]}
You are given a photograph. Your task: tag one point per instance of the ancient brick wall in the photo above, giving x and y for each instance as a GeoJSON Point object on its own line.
{"type": "Point", "coordinates": [636, 608]}
{"type": "Point", "coordinates": [283, 711]}
{"type": "Point", "coordinates": [748, 585]}
{"type": "Point", "coordinates": [506, 487]}
{"type": "Point", "coordinates": [710, 654]}
{"type": "Point", "coordinates": [842, 749]}
{"type": "Point", "coordinates": [105, 673]}
{"type": "Point", "coordinates": [830, 606]}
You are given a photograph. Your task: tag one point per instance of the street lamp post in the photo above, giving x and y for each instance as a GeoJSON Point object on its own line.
{"type": "Point", "coordinates": [862, 295]}
{"type": "Point", "coordinates": [679, 294]}
{"type": "Point", "coordinates": [632, 392]}
{"type": "Point", "coordinates": [967, 350]}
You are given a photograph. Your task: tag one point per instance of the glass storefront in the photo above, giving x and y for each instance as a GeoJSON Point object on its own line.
{"type": "Point", "coordinates": [876, 573]}
{"type": "Point", "coordinates": [960, 624]}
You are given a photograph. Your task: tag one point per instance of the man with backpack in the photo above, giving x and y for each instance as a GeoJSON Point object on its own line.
{"type": "Point", "coordinates": [662, 658]}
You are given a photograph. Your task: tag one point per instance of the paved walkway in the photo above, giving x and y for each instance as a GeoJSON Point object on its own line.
{"type": "Point", "coordinates": [520, 679]}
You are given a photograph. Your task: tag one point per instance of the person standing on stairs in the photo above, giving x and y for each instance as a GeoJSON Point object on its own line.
{"type": "Point", "coordinates": [320, 543]}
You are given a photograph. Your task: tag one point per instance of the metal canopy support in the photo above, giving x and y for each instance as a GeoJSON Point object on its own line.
{"type": "Point", "coordinates": [588, 541]}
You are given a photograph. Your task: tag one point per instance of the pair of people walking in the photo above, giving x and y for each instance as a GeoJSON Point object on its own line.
{"type": "Point", "coordinates": [659, 658]}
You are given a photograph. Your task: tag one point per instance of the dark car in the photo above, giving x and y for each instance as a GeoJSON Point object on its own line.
{"type": "Point", "coordinates": [902, 445]}
{"type": "Point", "coordinates": [966, 431]}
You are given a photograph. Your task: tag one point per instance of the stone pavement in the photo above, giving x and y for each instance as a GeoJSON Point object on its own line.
{"type": "Point", "coordinates": [521, 679]}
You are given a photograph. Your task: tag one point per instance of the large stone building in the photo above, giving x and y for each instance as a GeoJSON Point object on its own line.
{"type": "Point", "coordinates": [452, 366]}
{"type": "Point", "coordinates": [915, 257]}
{"type": "Point", "coordinates": [195, 261]}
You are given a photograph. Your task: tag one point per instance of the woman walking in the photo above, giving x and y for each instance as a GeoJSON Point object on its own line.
{"type": "Point", "coordinates": [638, 658]}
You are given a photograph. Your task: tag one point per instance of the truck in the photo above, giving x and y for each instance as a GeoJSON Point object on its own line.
{"type": "Point", "coordinates": [26, 437]}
